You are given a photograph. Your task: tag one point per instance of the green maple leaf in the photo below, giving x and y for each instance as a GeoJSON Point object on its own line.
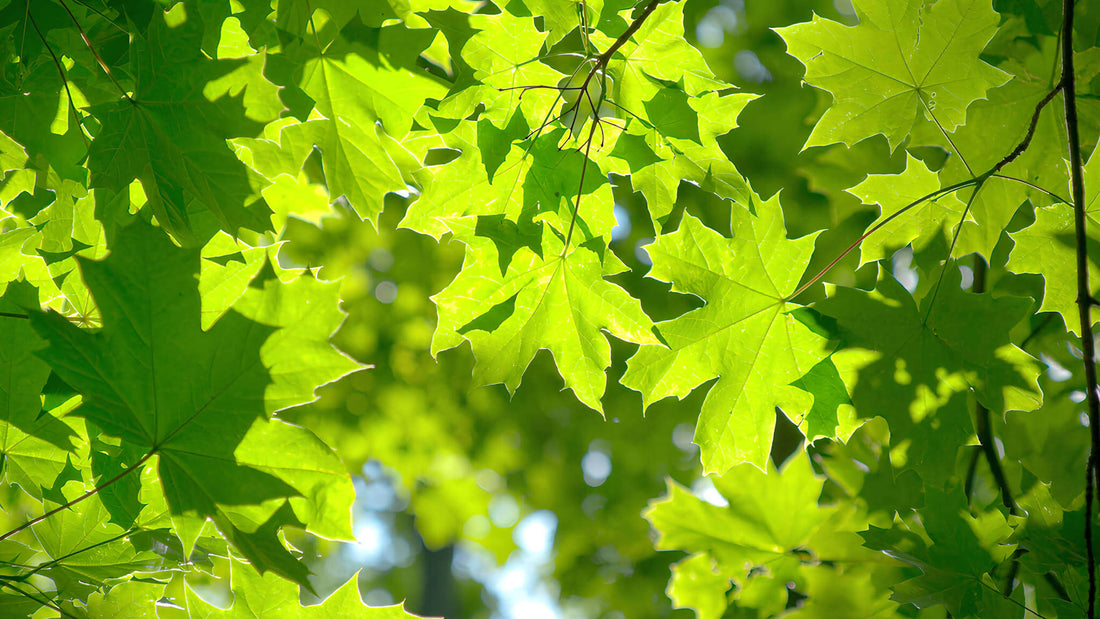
{"type": "Point", "coordinates": [533, 182]}
{"type": "Point", "coordinates": [769, 514]}
{"type": "Point", "coordinates": [34, 445]}
{"type": "Point", "coordinates": [200, 401]}
{"type": "Point", "coordinates": [932, 357]}
{"type": "Point", "coordinates": [904, 61]}
{"type": "Point", "coordinates": [771, 521]}
{"type": "Point", "coordinates": [745, 335]}
{"type": "Point", "coordinates": [543, 300]}
{"type": "Point", "coordinates": [470, 184]}
{"type": "Point", "coordinates": [955, 564]}
{"type": "Point", "coordinates": [355, 87]}
{"type": "Point", "coordinates": [270, 597]}
{"type": "Point", "coordinates": [1048, 247]}
{"type": "Point", "coordinates": [172, 138]}
{"type": "Point", "coordinates": [674, 139]}
{"type": "Point", "coordinates": [29, 112]}
{"type": "Point", "coordinates": [697, 584]}
{"type": "Point", "coordinates": [920, 225]}
{"type": "Point", "coordinates": [499, 53]}
{"type": "Point", "coordinates": [659, 50]}
{"type": "Point", "coordinates": [135, 599]}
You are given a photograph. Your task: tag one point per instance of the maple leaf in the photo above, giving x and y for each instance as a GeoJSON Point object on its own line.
{"type": "Point", "coordinates": [919, 226]}
{"type": "Point", "coordinates": [363, 97]}
{"type": "Point", "coordinates": [931, 357]}
{"type": "Point", "coordinates": [172, 138]}
{"type": "Point", "coordinates": [1048, 247]}
{"type": "Point", "coordinates": [955, 560]}
{"type": "Point", "coordinates": [254, 597]}
{"type": "Point", "coordinates": [200, 401]}
{"type": "Point", "coordinates": [531, 187]}
{"type": "Point", "coordinates": [745, 336]}
{"type": "Point", "coordinates": [543, 299]}
{"type": "Point", "coordinates": [35, 445]}
{"type": "Point", "coordinates": [903, 61]}
{"type": "Point", "coordinates": [771, 517]}
{"type": "Point", "coordinates": [270, 597]}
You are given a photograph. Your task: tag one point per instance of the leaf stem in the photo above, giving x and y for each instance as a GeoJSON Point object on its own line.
{"type": "Point", "coordinates": [877, 227]}
{"type": "Point", "coordinates": [64, 79]}
{"type": "Point", "coordinates": [978, 180]}
{"type": "Point", "coordinates": [951, 248]}
{"type": "Point", "coordinates": [95, 54]}
{"type": "Point", "coordinates": [45, 602]}
{"type": "Point", "coordinates": [1032, 185]}
{"type": "Point", "coordinates": [1084, 296]}
{"type": "Point", "coordinates": [93, 491]}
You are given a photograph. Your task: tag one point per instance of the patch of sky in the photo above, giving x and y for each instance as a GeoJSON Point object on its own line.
{"type": "Point", "coordinates": [622, 223]}
{"type": "Point", "coordinates": [903, 271]}
{"type": "Point", "coordinates": [704, 489]}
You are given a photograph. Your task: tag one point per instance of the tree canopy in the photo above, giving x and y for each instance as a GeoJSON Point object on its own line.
{"type": "Point", "coordinates": [546, 308]}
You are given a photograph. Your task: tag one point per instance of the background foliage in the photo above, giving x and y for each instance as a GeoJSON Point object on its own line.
{"type": "Point", "coordinates": [212, 209]}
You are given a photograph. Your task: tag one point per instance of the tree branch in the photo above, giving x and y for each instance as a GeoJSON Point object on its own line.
{"type": "Point", "coordinates": [1084, 294]}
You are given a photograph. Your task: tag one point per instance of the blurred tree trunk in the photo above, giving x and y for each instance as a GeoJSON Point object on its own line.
{"type": "Point", "coordinates": [440, 596]}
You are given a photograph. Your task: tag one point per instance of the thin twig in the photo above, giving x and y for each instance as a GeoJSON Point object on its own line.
{"type": "Point", "coordinates": [53, 562]}
{"type": "Point", "coordinates": [1022, 146]}
{"type": "Point", "coordinates": [72, 319]}
{"type": "Point", "coordinates": [984, 430]}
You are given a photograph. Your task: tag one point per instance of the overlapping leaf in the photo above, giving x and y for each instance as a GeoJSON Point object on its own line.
{"type": "Point", "coordinates": [918, 226]}
{"type": "Point", "coordinates": [543, 299]}
{"type": "Point", "coordinates": [955, 565]}
{"type": "Point", "coordinates": [34, 445]}
{"type": "Point", "coordinates": [172, 138]}
{"type": "Point", "coordinates": [358, 92]}
{"type": "Point", "coordinates": [200, 401]}
{"type": "Point", "coordinates": [270, 597]}
{"type": "Point", "coordinates": [745, 336]}
{"type": "Point", "coordinates": [904, 62]}
{"type": "Point", "coordinates": [767, 541]}
{"type": "Point", "coordinates": [931, 357]}
{"type": "Point", "coordinates": [1048, 247]}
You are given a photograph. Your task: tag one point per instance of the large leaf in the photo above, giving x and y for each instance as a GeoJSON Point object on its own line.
{"type": "Point", "coordinates": [200, 401]}
{"type": "Point", "coordinates": [745, 336]}
{"type": "Point", "coordinates": [931, 357]}
{"type": "Point", "coordinates": [172, 137]}
{"type": "Point", "coordinates": [904, 62]}
{"type": "Point", "coordinates": [555, 301]}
